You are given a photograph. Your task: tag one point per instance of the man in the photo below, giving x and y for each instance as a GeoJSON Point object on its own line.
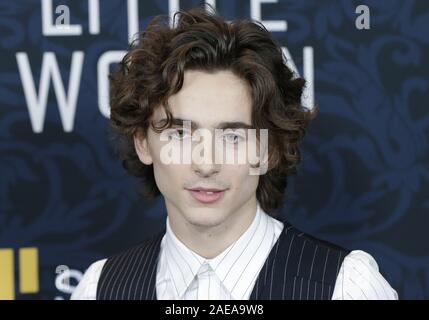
{"type": "Point", "coordinates": [176, 86]}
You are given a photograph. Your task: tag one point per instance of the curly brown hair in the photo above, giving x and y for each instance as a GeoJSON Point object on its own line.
{"type": "Point", "coordinates": [153, 70]}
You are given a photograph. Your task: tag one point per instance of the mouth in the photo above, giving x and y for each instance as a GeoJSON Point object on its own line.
{"type": "Point", "coordinates": [207, 195]}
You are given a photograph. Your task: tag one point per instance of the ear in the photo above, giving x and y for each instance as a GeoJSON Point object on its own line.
{"type": "Point", "coordinates": [142, 148]}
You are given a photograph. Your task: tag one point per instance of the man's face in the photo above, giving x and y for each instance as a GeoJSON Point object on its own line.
{"type": "Point", "coordinates": [204, 194]}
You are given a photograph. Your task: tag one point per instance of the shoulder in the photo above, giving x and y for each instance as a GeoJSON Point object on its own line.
{"type": "Point", "coordinates": [308, 242]}
{"type": "Point", "coordinates": [87, 287]}
{"type": "Point", "coordinates": [144, 250]}
{"type": "Point", "coordinates": [360, 279]}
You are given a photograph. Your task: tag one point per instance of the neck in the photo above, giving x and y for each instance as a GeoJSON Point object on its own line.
{"type": "Point", "coordinates": [209, 241]}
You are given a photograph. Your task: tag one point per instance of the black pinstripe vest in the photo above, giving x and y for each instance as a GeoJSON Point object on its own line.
{"type": "Point", "coordinates": [298, 267]}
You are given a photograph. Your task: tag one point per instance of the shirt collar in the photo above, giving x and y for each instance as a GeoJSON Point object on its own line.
{"type": "Point", "coordinates": [229, 265]}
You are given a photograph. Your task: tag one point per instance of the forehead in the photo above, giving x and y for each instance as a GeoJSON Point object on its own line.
{"type": "Point", "coordinates": [211, 98]}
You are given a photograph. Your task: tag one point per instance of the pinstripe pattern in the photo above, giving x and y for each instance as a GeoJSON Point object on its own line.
{"type": "Point", "coordinates": [302, 267]}
{"type": "Point", "coordinates": [130, 275]}
{"type": "Point", "coordinates": [143, 256]}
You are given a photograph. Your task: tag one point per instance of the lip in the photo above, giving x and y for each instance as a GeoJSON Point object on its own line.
{"type": "Point", "coordinates": [206, 189]}
{"type": "Point", "coordinates": [207, 195]}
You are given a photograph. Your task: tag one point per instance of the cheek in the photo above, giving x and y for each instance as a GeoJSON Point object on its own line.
{"type": "Point", "coordinates": [251, 182]}
{"type": "Point", "coordinates": [239, 176]}
{"type": "Point", "coordinates": [170, 177]}
{"type": "Point", "coordinates": [164, 172]}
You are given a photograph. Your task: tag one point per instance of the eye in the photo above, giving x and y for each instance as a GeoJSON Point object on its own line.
{"type": "Point", "coordinates": [233, 138]}
{"type": "Point", "coordinates": [178, 134]}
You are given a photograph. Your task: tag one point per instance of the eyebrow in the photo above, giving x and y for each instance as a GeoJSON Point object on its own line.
{"type": "Point", "coordinates": [220, 125]}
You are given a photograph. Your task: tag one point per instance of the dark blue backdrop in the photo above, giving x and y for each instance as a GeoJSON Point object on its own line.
{"type": "Point", "coordinates": [364, 178]}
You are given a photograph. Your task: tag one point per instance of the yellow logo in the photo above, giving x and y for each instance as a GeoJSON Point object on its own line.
{"type": "Point", "coordinates": [28, 272]}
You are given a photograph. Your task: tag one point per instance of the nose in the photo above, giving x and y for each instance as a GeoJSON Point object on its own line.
{"type": "Point", "coordinates": [205, 170]}
{"type": "Point", "coordinates": [203, 158]}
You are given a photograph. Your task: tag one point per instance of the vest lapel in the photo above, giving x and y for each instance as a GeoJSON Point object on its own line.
{"type": "Point", "coordinates": [153, 267]}
{"type": "Point", "coordinates": [266, 270]}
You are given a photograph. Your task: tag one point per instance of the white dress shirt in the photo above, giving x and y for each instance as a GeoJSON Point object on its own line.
{"type": "Point", "coordinates": [183, 274]}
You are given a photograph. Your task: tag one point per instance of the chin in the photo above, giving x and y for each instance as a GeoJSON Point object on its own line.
{"type": "Point", "coordinates": [205, 218]}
